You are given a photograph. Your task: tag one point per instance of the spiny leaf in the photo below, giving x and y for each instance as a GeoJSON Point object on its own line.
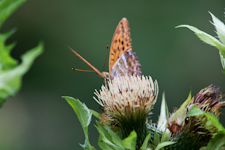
{"type": "Point", "coordinates": [10, 80]}
{"type": "Point", "coordinates": [220, 28]}
{"type": "Point", "coordinates": [206, 38]}
{"type": "Point", "coordinates": [6, 61]}
{"type": "Point", "coordinates": [10, 72]}
{"type": "Point", "coordinates": [7, 7]}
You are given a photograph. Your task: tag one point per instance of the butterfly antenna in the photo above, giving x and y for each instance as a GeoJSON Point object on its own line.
{"type": "Point", "coordinates": [96, 70]}
{"type": "Point", "coordinates": [82, 70]}
{"type": "Point", "coordinates": [106, 56]}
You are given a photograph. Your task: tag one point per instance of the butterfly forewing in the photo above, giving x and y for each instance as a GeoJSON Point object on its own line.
{"type": "Point", "coordinates": [121, 42]}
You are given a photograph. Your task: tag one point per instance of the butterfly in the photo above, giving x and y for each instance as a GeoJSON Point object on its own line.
{"type": "Point", "coordinates": [122, 61]}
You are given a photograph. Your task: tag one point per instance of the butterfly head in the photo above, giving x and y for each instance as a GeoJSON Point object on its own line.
{"type": "Point", "coordinates": [105, 75]}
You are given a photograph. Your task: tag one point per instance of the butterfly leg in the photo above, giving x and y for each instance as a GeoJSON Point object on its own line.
{"type": "Point", "coordinates": [105, 80]}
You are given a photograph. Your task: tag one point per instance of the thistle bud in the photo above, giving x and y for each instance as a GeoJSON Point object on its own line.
{"type": "Point", "coordinates": [196, 131]}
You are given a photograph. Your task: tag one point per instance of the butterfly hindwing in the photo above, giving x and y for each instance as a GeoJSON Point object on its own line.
{"type": "Point", "coordinates": [128, 64]}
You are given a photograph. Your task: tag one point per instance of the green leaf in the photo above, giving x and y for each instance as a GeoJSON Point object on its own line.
{"type": "Point", "coordinates": [206, 38]}
{"type": "Point", "coordinates": [195, 111]}
{"type": "Point", "coordinates": [103, 145]}
{"type": "Point", "coordinates": [180, 114]}
{"type": "Point", "coordinates": [222, 59]}
{"type": "Point", "coordinates": [145, 143]}
{"type": "Point", "coordinates": [10, 79]}
{"type": "Point", "coordinates": [96, 114]}
{"type": "Point", "coordinates": [84, 115]}
{"type": "Point", "coordinates": [166, 135]}
{"type": "Point", "coordinates": [115, 137]}
{"type": "Point", "coordinates": [223, 71]}
{"type": "Point", "coordinates": [217, 141]}
{"type": "Point", "coordinates": [212, 120]}
{"type": "Point", "coordinates": [220, 28]}
{"type": "Point", "coordinates": [167, 114]}
{"type": "Point", "coordinates": [105, 140]}
{"type": "Point", "coordinates": [103, 132]}
{"type": "Point", "coordinates": [81, 110]}
{"type": "Point", "coordinates": [130, 141]}
{"type": "Point", "coordinates": [161, 145]}
{"type": "Point", "coordinates": [7, 7]}
{"type": "Point", "coordinates": [156, 139]}
{"type": "Point", "coordinates": [86, 145]}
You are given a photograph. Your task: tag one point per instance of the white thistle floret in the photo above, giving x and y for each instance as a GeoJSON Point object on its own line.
{"type": "Point", "coordinates": [128, 95]}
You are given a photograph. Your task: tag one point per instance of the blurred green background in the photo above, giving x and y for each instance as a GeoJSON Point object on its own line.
{"type": "Point", "coordinates": [38, 118]}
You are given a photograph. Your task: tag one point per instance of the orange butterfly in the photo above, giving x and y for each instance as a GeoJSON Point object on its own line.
{"type": "Point", "coordinates": [121, 59]}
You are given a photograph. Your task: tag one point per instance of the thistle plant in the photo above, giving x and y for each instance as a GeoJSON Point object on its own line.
{"type": "Point", "coordinates": [127, 102]}
{"type": "Point", "coordinates": [218, 42]}
{"type": "Point", "coordinates": [125, 124]}
{"type": "Point", "coordinates": [11, 72]}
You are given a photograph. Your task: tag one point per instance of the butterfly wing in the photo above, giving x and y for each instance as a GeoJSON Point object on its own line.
{"type": "Point", "coordinates": [128, 64]}
{"type": "Point", "coordinates": [121, 42]}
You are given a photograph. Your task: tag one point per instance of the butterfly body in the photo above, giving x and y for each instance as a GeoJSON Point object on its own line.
{"type": "Point", "coordinates": [122, 60]}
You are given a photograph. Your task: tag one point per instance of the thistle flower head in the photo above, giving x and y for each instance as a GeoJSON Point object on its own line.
{"type": "Point", "coordinates": [128, 96]}
{"type": "Point", "coordinates": [126, 102]}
